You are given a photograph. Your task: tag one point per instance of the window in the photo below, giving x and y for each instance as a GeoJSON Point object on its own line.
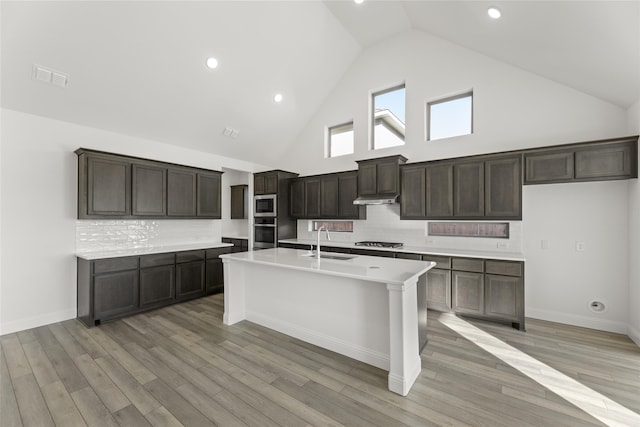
{"type": "Point", "coordinates": [338, 226]}
{"type": "Point", "coordinates": [340, 140]}
{"type": "Point", "coordinates": [388, 118]}
{"type": "Point", "coordinates": [452, 116]}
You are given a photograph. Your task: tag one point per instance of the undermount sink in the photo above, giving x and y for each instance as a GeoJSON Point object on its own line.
{"type": "Point", "coordinates": [331, 256]}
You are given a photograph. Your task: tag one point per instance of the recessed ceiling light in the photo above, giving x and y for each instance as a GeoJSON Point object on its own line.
{"type": "Point", "coordinates": [278, 97]}
{"type": "Point", "coordinates": [494, 12]}
{"type": "Point", "coordinates": [212, 63]}
{"type": "Point", "coordinates": [358, 1]}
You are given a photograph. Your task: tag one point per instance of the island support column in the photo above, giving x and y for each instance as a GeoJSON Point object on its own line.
{"type": "Point", "coordinates": [234, 296]}
{"type": "Point", "coordinates": [404, 352]}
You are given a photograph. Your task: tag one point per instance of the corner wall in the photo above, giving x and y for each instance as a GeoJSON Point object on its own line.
{"type": "Point", "coordinates": [38, 217]}
{"type": "Point", "coordinates": [634, 238]}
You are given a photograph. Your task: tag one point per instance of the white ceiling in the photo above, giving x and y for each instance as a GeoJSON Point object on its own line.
{"type": "Point", "coordinates": [138, 67]}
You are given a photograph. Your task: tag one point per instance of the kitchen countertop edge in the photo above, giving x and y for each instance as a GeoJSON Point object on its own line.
{"type": "Point", "coordinates": [116, 253]}
{"type": "Point", "coordinates": [423, 250]}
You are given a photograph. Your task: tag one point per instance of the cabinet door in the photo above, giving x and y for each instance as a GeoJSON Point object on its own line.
{"type": "Point", "coordinates": [467, 292]}
{"type": "Point", "coordinates": [503, 188]}
{"type": "Point", "coordinates": [181, 194]}
{"type": "Point", "coordinates": [329, 196]}
{"type": "Point", "coordinates": [548, 167]}
{"type": "Point", "coordinates": [439, 191]}
{"type": "Point", "coordinates": [239, 202]}
{"type": "Point", "coordinates": [157, 285]}
{"type": "Point", "coordinates": [312, 198]}
{"type": "Point", "coordinates": [115, 294]}
{"type": "Point", "coordinates": [149, 190]}
{"type": "Point", "coordinates": [504, 297]}
{"type": "Point", "coordinates": [347, 193]}
{"type": "Point", "coordinates": [613, 161]}
{"type": "Point", "coordinates": [367, 181]}
{"type": "Point", "coordinates": [209, 195]}
{"type": "Point", "coordinates": [412, 193]}
{"type": "Point", "coordinates": [439, 289]}
{"type": "Point", "coordinates": [271, 183]}
{"type": "Point", "coordinates": [108, 187]}
{"type": "Point", "coordinates": [258, 185]}
{"type": "Point", "coordinates": [387, 177]}
{"type": "Point", "coordinates": [469, 189]}
{"type": "Point", "coordinates": [190, 279]}
{"type": "Point", "coordinates": [214, 281]}
{"type": "Point", "coordinates": [296, 198]}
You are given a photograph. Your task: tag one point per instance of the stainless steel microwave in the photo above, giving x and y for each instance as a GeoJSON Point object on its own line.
{"type": "Point", "coordinates": [265, 205]}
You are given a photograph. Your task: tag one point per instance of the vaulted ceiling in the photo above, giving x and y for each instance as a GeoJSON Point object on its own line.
{"type": "Point", "coordinates": [138, 68]}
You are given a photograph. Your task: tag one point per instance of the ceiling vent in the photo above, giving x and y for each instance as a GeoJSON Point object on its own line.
{"type": "Point", "coordinates": [49, 76]}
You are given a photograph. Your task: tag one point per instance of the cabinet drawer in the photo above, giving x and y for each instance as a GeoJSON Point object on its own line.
{"type": "Point", "coordinates": [156, 260]}
{"type": "Point", "coordinates": [215, 252]}
{"type": "Point", "coordinates": [467, 264]}
{"type": "Point", "coordinates": [504, 268]}
{"type": "Point", "coordinates": [115, 264]}
{"type": "Point", "coordinates": [404, 255]}
{"type": "Point", "coordinates": [443, 262]}
{"type": "Point", "coordinates": [189, 256]}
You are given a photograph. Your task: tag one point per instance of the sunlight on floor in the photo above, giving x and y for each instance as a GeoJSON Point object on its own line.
{"type": "Point", "coordinates": [590, 401]}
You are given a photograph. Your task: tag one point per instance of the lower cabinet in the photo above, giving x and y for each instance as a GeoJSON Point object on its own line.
{"type": "Point", "coordinates": [439, 289]}
{"type": "Point", "coordinates": [467, 292]}
{"type": "Point", "coordinates": [111, 288]}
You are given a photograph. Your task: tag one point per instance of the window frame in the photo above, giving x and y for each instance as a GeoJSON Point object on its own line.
{"type": "Point", "coordinates": [461, 95]}
{"type": "Point", "coordinates": [372, 113]}
{"type": "Point", "coordinates": [328, 139]}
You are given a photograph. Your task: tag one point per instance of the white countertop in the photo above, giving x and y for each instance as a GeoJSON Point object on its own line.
{"type": "Point", "coordinates": [176, 247]}
{"type": "Point", "coordinates": [375, 269]}
{"type": "Point", "coordinates": [424, 250]}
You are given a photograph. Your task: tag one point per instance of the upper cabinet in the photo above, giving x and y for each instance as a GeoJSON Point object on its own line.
{"type": "Point", "coordinates": [379, 177]}
{"type": "Point", "coordinates": [481, 187]}
{"type": "Point", "coordinates": [265, 183]}
{"type": "Point", "coordinates": [591, 161]}
{"type": "Point", "coordinates": [115, 186]}
{"type": "Point", "coordinates": [325, 197]}
{"type": "Point", "coordinates": [239, 201]}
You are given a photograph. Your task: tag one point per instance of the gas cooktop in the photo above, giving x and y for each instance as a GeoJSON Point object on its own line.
{"type": "Point", "coordinates": [379, 244]}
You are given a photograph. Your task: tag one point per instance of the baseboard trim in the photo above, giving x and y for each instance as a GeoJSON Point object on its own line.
{"type": "Point", "coordinates": [634, 334]}
{"type": "Point", "coordinates": [36, 321]}
{"type": "Point", "coordinates": [576, 320]}
{"type": "Point", "coordinates": [362, 354]}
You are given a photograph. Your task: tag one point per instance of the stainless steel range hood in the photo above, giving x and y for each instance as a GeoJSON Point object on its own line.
{"type": "Point", "coordinates": [376, 200]}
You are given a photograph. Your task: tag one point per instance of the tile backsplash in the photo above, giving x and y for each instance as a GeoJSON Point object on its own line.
{"type": "Point", "coordinates": [383, 224]}
{"type": "Point", "coordinates": [98, 235]}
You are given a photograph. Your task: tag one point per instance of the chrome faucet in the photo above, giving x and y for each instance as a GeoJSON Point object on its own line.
{"type": "Point", "coordinates": [318, 245]}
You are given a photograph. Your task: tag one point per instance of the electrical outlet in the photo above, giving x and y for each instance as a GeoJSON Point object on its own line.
{"type": "Point", "coordinates": [544, 244]}
{"type": "Point", "coordinates": [502, 245]}
{"type": "Point", "coordinates": [580, 246]}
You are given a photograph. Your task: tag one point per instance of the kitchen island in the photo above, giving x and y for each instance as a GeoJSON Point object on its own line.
{"type": "Point", "coordinates": [362, 307]}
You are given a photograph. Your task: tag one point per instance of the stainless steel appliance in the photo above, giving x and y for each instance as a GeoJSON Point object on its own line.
{"type": "Point", "coordinates": [265, 205]}
{"type": "Point", "coordinates": [265, 232]}
{"type": "Point", "coordinates": [379, 244]}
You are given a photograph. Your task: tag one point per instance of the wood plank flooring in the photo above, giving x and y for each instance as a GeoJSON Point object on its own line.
{"type": "Point", "coordinates": [181, 366]}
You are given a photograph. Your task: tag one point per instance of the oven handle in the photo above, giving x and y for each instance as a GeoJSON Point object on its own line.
{"type": "Point", "coordinates": [264, 225]}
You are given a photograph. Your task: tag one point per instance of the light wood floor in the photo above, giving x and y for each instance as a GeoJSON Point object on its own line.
{"type": "Point", "coordinates": [181, 366]}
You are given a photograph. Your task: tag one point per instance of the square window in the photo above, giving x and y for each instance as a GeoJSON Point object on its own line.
{"type": "Point", "coordinates": [450, 117]}
{"type": "Point", "coordinates": [340, 140]}
{"type": "Point", "coordinates": [388, 118]}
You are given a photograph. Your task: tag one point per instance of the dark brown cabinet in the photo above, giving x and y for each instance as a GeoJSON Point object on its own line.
{"type": "Point", "coordinates": [503, 188]}
{"type": "Point", "coordinates": [380, 176]}
{"type": "Point", "coordinates": [149, 190]}
{"type": "Point", "coordinates": [467, 292]}
{"type": "Point", "coordinates": [589, 161]}
{"type": "Point", "coordinates": [327, 196]}
{"type": "Point", "coordinates": [468, 180]}
{"type": "Point", "coordinates": [239, 245]}
{"type": "Point", "coordinates": [413, 184]}
{"type": "Point", "coordinates": [104, 186]}
{"type": "Point", "coordinates": [265, 183]}
{"type": "Point", "coordinates": [190, 274]}
{"type": "Point", "coordinates": [115, 186]}
{"type": "Point", "coordinates": [239, 201]}
{"type": "Point", "coordinates": [439, 190]}
{"type": "Point", "coordinates": [111, 288]}
{"type": "Point", "coordinates": [157, 280]}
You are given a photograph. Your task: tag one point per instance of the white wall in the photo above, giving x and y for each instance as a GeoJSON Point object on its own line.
{"type": "Point", "coordinates": [634, 237]}
{"type": "Point", "coordinates": [38, 219]}
{"type": "Point", "coordinates": [513, 109]}
{"type": "Point", "coordinates": [234, 227]}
